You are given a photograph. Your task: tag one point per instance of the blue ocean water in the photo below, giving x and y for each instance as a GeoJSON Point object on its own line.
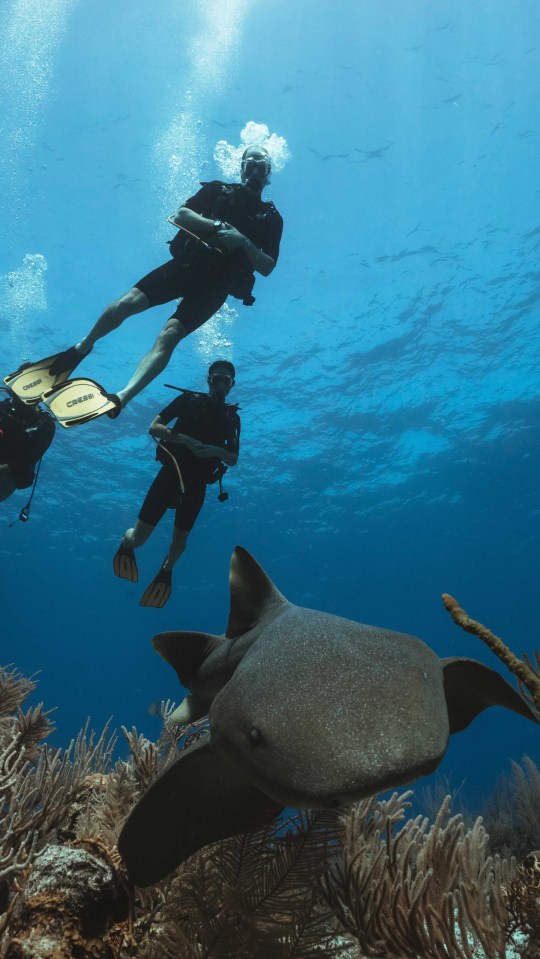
{"type": "Point", "coordinates": [387, 373]}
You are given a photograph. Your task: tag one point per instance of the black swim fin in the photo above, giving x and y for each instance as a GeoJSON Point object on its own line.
{"type": "Point", "coordinates": [79, 401]}
{"type": "Point", "coordinates": [159, 590]}
{"type": "Point", "coordinates": [31, 380]}
{"type": "Point", "coordinates": [125, 564]}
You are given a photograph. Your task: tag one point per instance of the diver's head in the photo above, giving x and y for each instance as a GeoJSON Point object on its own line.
{"type": "Point", "coordinates": [256, 168]}
{"type": "Point", "coordinates": [220, 378]}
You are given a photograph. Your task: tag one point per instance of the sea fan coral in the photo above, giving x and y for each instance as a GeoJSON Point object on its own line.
{"type": "Point", "coordinates": [512, 813]}
{"type": "Point", "coordinates": [423, 890]}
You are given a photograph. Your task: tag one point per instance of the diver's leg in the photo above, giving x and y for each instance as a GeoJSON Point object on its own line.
{"type": "Point", "coordinates": [134, 301]}
{"type": "Point", "coordinates": [161, 285]}
{"type": "Point", "coordinates": [187, 510]}
{"type": "Point", "coordinates": [155, 361]}
{"type": "Point", "coordinates": [7, 483]}
{"type": "Point", "coordinates": [137, 535]}
{"type": "Point", "coordinates": [164, 488]}
{"type": "Point", "coordinates": [194, 310]}
{"type": "Point", "coordinates": [177, 547]}
{"type": "Point", "coordinates": [189, 507]}
{"type": "Point", "coordinates": [155, 505]}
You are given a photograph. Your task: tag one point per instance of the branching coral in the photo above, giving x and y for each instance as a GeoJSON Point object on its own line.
{"type": "Point", "coordinates": [419, 891]}
{"type": "Point", "coordinates": [252, 895]}
{"type": "Point", "coordinates": [527, 673]}
{"type": "Point", "coordinates": [39, 792]}
{"type": "Point", "coordinates": [512, 813]}
{"type": "Point", "coordinates": [523, 902]}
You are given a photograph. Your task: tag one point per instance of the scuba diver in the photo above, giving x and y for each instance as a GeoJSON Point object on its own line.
{"type": "Point", "coordinates": [203, 442]}
{"type": "Point", "coordinates": [226, 232]}
{"type": "Point", "coordinates": [26, 432]}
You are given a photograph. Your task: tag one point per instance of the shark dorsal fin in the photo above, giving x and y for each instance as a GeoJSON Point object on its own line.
{"type": "Point", "coordinates": [252, 593]}
{"type": "Point", "coordinates": [185, 651]}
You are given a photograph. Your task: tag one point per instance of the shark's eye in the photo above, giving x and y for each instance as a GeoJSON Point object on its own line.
{"type": "Point", "coordinates": [255, 736]}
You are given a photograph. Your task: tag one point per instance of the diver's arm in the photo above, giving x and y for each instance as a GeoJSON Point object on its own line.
{"type": "Point", "coordinates": [202, 226]}
{"type": "Point", "coordinates": [261, 262]}
{"type": "Point", "coordinates": [228, 238]}
{"type": "Point", "coordinates": [160, 431]}
{"type": "Point", "coordinates": [208, 451]}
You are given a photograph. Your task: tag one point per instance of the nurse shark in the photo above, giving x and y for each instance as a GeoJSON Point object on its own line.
{"type": "Point", "coordinates": [305, 709]}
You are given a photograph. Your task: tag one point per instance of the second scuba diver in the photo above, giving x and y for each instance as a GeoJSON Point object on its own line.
{"type": "Point", "coordinates": [26, 432]}
{"type": "Point", "coordinates": [204, 441]}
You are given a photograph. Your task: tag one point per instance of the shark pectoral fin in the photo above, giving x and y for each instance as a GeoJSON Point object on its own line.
{"type": "Point", "coordinates": [198, 800]}
{"type": "Point", "coordinates": [470, 687]}
{"type": "Point", "coordinates": [190, 709]}
{"type": "Point", "coordinates": [185, 651]}
{"type": "Point", "coordinates": [252, 593]}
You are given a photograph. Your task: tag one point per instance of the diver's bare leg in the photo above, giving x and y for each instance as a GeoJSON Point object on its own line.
{"type": "Point", "coordinates": [155, 361]}
{"type": "Point", "coordinates": [177, 547]}
{"type": "Point", "coordinates": [137, 535]}
{"type": "Point", "coordinates": [127, 305]}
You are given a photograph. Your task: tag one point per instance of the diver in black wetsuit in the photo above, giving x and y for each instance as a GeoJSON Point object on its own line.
{"type": "Point", "coordinates": [204, 441]}
{"type": "Point", "coordinates": [226, 233]}
{"type": "Point", "coordinates": [26, 432]}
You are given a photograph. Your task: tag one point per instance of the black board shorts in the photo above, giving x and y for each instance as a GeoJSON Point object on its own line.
{"type": "Point", "coordinates": [201, 297]}
{"type": "Point", "coordinates": [164, 494]}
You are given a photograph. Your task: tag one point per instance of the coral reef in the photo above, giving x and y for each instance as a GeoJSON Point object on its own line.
{"type": "Point", "coordinates": [352, 883]}
{"type": "Point", "coordinates": [523, 905]}
{"type": "Point", "coordinates": [419, 891]}
{"type": "Point", "coordinates": [512, 813]}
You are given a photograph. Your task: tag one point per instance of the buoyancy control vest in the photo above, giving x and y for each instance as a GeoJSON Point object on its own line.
{"type": "Point", "coordinates": [251, 215]}
{"type": "Point", "coordinates": [207, 421]}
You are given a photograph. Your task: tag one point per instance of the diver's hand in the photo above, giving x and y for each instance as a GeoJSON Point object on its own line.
{"type": "Point", "coordinates": [179, 439]}
{"type": "Point", "coordinates": [205, 451]}
{"type": "Point", "coordinates": [228, 239]}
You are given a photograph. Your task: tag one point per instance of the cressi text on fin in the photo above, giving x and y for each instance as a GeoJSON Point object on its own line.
{"type": "Point", "coordinates": [78, 401]}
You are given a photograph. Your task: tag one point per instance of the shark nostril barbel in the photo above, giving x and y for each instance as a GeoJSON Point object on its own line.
{"type": "Point", "coordinates": [255, 736]}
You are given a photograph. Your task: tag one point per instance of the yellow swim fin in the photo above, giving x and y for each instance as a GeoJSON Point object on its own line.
{"type": "Point", "coordinates": [79, 401]}
{"type": "Point", "coordinates": [31, 380]}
